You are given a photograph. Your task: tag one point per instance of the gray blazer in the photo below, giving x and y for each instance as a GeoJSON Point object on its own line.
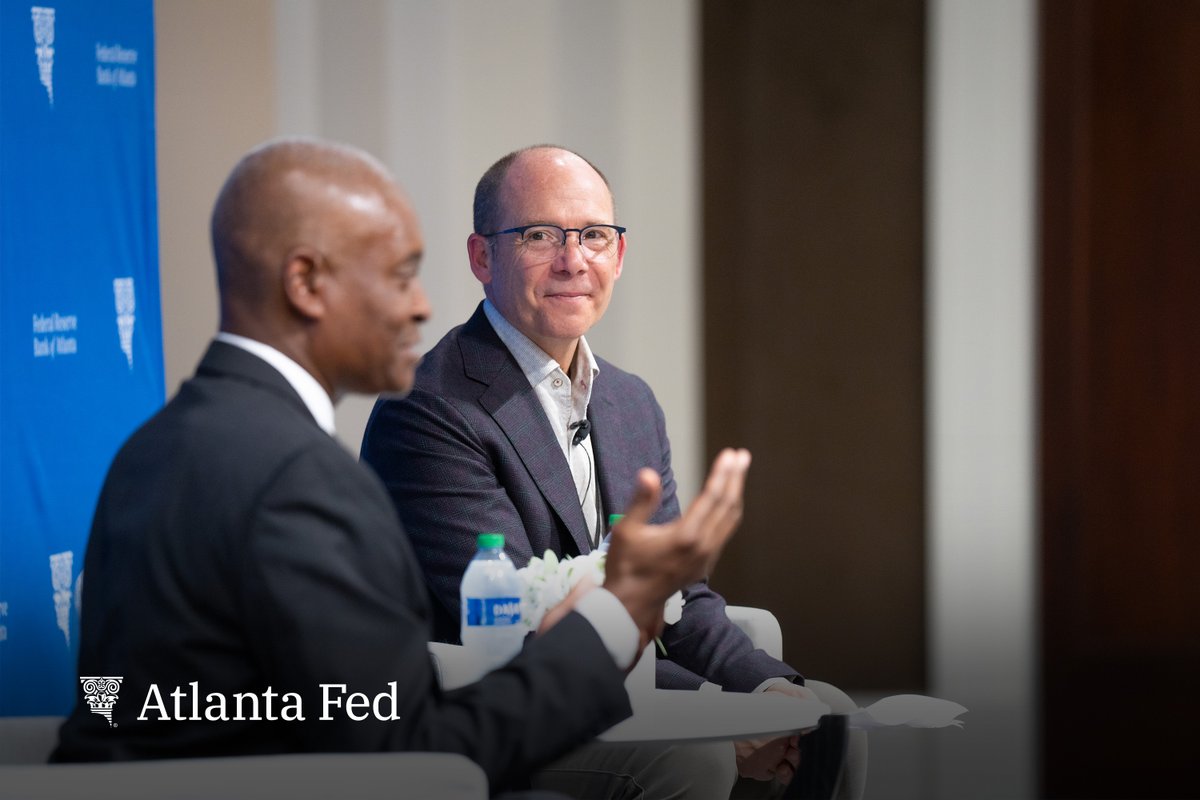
{"type": "Point", "coordinates": [237, 545]}
{"type": "Point", "coordinates": [471, 450]}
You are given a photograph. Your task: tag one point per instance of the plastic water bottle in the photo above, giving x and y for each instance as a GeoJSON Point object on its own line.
{"type": "Point", "coordinates": [490, 596]}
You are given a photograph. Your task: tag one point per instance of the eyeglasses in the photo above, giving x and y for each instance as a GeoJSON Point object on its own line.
{"type": "Point", "coordinates": [544, 241]}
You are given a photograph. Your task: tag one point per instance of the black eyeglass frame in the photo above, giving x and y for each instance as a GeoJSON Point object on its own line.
{"type": "Point", "coordinates": [522, 228]}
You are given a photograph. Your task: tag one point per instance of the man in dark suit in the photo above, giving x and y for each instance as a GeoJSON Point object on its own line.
{"type": "Point", "coordinates": [515, 426]}
{"type": "Point", "coordinates": [237, 548]}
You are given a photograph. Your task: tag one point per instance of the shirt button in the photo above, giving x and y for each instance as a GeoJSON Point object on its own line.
{"type": "Point", "coordinates": [557, 382]}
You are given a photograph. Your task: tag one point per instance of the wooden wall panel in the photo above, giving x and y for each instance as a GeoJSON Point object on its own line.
{"type": "Point", "coordinates": [1120, 399]}
{"type": "Point", "coordinates": [813, 307]}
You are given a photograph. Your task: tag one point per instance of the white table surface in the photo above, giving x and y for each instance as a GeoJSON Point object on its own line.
{"type": "Point", "coordinates": [661, 715]}
{"type": "Point", "coordinates": [688, 716]}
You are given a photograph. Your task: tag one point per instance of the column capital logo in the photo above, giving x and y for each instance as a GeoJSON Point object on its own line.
{"type": "Point", "coordinates": [101, 694]}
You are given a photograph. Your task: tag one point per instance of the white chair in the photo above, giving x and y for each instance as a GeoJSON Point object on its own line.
{"type": "Point", "coordinates": [26, 743]}
{"type": "Point", "coordinates": [27, 740]}
{"type": "Point", "coordinates": [761, 626]}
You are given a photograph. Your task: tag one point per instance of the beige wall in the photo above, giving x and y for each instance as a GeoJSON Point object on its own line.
{"type": "Point", "coordinates": [215, 75]}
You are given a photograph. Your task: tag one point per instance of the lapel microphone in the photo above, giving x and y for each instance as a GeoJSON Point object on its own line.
{"type": "Point", "coordinates": [582, 429]}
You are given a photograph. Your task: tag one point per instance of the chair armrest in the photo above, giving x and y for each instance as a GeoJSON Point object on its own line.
{"type": "Point", "coordinates": [296, 777]}
{"type": "Point", "coordinates": [761, 626]}
{"type": "Point", "coordinates": [453, 667]}
{"type": "Point", "coordinates": [28, 740]}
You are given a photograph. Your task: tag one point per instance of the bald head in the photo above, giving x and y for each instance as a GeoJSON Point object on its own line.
{"type": "Point", "coordinates": [489, 202]}
{"type": "Point", "coordinates": [317, 249]}
{"type": "Point", "coordinates": [278, 197]}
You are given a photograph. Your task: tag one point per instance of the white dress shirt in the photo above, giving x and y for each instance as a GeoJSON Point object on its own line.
{"type": "Point", "coordinates": [310, 391]}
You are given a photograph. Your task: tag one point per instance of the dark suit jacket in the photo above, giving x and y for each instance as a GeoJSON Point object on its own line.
{"type": "Point", "coordinates": [471, 450]}
{"type": "Point", "coordinates": [237, 545]}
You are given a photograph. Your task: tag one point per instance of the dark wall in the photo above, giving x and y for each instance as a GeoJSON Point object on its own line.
{"type": "Point", "coordinates": [1120, 400]}
{"type": "Point", "coordinates": [813, 307]}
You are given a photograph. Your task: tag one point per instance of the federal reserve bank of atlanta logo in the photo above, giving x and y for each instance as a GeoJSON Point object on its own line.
{"type": "Point", "coordinates": [101, 694]}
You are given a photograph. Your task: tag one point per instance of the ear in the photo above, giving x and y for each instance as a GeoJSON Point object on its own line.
{"type": "Point", "coordinates": [620, 257]}
{"type": "Point", "coordinates": [304, 277]}
{"type": "Point", "coordinates": [479, 252]}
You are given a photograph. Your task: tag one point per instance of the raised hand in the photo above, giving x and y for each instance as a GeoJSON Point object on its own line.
{"type": "Point", "coordinates": [647, 563]}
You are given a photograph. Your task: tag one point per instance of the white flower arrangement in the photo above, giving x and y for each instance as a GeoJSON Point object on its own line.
{"type": "Point", "coordinates": [547, 580]}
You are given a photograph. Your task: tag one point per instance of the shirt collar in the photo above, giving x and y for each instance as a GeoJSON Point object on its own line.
{"type": "Point", "coordinates": [533, 360]}
{"type": "Point", "coordinates": [310, 391]}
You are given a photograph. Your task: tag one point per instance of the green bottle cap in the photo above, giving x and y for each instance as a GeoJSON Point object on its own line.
{"type": "Point", "coordinates": [489, 540]}
{"type": "Point", "coordinates": [613, 519]}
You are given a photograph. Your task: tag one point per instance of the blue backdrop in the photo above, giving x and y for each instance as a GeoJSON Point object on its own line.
{"type": "Point", "coordinates": [81, 344]}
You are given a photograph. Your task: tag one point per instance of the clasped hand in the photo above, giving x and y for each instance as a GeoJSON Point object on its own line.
{"type": "Point", "coordinates": [764, 759]}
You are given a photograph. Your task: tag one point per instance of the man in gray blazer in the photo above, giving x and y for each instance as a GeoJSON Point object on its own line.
{"type": "Point", "coordinates": [515, 426]}
{"type": "Point", "coordinates": [238, 549]}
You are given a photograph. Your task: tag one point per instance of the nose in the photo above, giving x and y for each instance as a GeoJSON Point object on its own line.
{"type": "Point", "coordinates": [422, 309]}
{"type": "Point", "coordinates": [570, 256]}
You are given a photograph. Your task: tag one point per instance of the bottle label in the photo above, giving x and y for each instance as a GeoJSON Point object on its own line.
{"type": "Point", "coordinates": [493, 610]}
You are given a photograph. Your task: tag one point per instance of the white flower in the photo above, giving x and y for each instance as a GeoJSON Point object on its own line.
{"type": "Point", "coordinates": [674, 610]}
{"type": "Point", "coordinates": [546, 581]}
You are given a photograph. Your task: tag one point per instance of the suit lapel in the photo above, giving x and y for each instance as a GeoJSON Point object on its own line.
{"type": "Point", "coordinates": [512, 403]}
